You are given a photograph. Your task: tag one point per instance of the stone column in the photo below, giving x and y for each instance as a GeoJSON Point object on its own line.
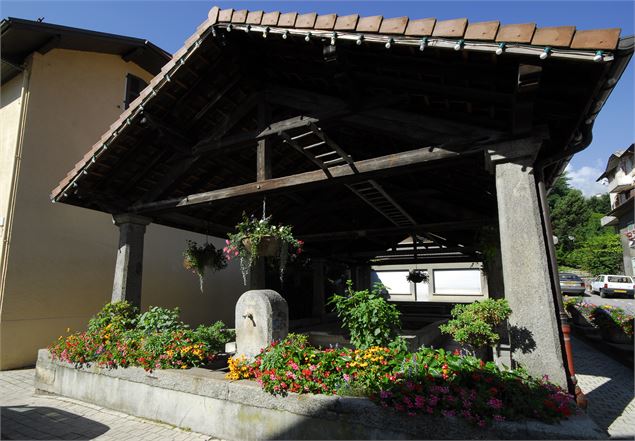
{"type": "Point", "coordinates": [533, 324]}
{"type": "Point", "coordinates": [129, 267]}
{"type": "Point", "coordinates": [317, 308]}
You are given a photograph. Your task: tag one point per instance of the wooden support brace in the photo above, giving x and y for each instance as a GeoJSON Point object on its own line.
{"type": "Point", "coordinates": [384, 165]}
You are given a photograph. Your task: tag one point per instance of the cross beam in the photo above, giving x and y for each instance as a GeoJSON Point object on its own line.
{"type": "Point", "coordinates": [363, 170]}
{"type": "Point", "coordinates": [437, 227]}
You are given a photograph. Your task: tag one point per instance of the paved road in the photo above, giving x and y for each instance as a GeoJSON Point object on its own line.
{"type": "Point", "coordinates": [26, 416]}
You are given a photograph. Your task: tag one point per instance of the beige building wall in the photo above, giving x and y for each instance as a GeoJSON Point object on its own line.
{"type": "Point", "coordinates": [61, 259]}
{"type": "Point", "coordinates": [12, 99]}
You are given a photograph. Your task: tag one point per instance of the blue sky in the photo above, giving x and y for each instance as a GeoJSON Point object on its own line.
{"type": "Point", "coordinates": [169, 23]}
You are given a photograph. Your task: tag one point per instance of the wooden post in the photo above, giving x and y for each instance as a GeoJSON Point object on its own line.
{"type": "Point", "coordinates": [264, 152]}
{"type": "Point", "coordinates": [129, 266]}
{"type": "Point", "coordinates": [317, 307]}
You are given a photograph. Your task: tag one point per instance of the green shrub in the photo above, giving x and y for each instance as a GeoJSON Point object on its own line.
{"type": "Point", "coordinates": [369, 318]}
{"type": "Point", "coordinates": [473, 324]}
{"type": "Point", "coordinates": [157, 319]}
{"type": "Point", "coordinates": [118, 337]}
{"type": "Point", "coordinates": [215, 336]}
{"type": "Point", "coordinates": [120, 316]}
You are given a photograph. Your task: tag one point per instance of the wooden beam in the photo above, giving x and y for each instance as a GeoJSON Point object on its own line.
{"type": "Point", "coordinates": [378, 114]}
{"type": "Point", "coordinates": [213, 144]}
{"type": "Point", "coordinates": [182, 221]}
{"type": "Point", "coordinates": [182, 165]}
{"type": "Point", "coordinates": [263, 152]}
{"type": "Point", "coordinates": [366, 169]}
{"type": "Point", "coordinates": [421, 252]}
{"type": "Point", "coordinates": [389, 231]}
{"type": "Point", "coordinates": [434, 259]}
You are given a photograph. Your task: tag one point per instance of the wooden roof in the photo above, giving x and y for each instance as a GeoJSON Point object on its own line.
{"type": "Point", "coordinates": [404, 120]}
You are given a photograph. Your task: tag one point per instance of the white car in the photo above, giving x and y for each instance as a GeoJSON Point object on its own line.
{"type": "Point", "coordinates": [612, 285]}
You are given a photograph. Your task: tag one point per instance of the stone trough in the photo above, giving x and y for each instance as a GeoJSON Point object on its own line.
{"type": "Point", "coordinates": [204, 401]}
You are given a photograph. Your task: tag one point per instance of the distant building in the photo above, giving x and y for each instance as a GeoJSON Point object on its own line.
{"type": "Point", "coordinates": [61, 89]}
{"type": "Point", "coordinates": [621, 179]}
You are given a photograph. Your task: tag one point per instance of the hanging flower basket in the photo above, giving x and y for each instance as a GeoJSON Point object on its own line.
{"type": "Point", "coordinates": [255, 238]}
{"type": "Point", "coordinates": [417, 276]}
{"type": "Point", "coordinates": [198, 258]}
{"type": "Point", "coordinates": [269, 246]}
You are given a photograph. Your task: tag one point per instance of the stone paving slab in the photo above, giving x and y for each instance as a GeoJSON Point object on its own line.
{"type": "Point", "coordinates": [609, 387]}
{"type": "Point", "coordinates": [25, 415]}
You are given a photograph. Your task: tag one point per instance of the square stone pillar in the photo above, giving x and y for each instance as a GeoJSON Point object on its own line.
{"type": "Point", "coordinates": [129, 267]}
{"type": "Point", "coordinates": [535, 339]}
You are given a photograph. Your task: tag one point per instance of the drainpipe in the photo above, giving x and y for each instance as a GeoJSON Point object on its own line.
{"type": "Point", "coordinates": [565, 328]}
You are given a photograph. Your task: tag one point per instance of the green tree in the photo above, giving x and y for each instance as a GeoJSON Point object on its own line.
{"type": "Point", "coordinates": [582, 242]}
{"type": "Point", "coordinates": [601, 254]}
{"type": "Point", "coordinates": [600, 204]}
{"type": "Point", "coordinates": [559, 189]}
{"type": "Point", "coordinates": [570, 214]}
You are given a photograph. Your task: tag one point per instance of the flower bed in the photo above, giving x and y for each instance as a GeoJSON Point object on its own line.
{"type": "Point", "coordinates": [118, 336]}
{"type": "Point", "coordinates": [581, 313]}
{"type": "Point", "coordinates": [427, 382]}
{"type": "Point", "coordinates": [615, 324]}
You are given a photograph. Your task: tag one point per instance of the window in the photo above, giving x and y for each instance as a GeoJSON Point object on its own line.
{"type": "Point", "coordinates": [394, 281]}
{"type": "Point", "coordinates": [623, 279]}
{"type": "Point", "coordinates": [458, 282]}
{"type": "Point", "coordinates": [134, 86]}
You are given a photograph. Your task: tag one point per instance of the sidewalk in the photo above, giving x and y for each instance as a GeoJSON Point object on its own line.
{"type": "Point", "coordinates": [609, 387]}
{"type": "Point", "coordinates": [26, 416]}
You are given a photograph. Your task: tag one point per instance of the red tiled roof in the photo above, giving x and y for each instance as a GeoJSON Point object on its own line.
{"type": "Point", "coordinates": [560, 36]}
{"type": "Point", "coordinates": [564, 37]}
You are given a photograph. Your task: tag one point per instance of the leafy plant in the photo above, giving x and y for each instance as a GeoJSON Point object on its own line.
{"type": "Point", "coordinates": [215, 336]}
{"type": "Point", "coordinates": [473, 324]}
{"type": "Point", "coordinates": [197, 258]}
{"type": "Point", "coordinates": [417, 276]}
{"type": "Point", "coordinates": [118, 337]}
{"type": "Point", "coordinates": [570, 302]}
{"type": "Point", "coordinates": [251, 233]}
{"type": "Point", "coordinates": [120, 316]}
{"type": "Point", "coordinates": [369, 318]}
{"type": "Point", "coordinates": [157, 319]}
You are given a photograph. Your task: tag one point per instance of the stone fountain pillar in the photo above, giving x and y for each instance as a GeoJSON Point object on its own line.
{"type": "Point", "coordinates": [262, 316]}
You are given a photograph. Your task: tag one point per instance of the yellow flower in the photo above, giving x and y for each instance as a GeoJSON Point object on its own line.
{"type": "Point", "coordinates": [184, 367]}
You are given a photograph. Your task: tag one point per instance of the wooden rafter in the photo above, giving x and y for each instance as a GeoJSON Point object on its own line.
{"type": "Point", "coordinates": [366, 169]}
